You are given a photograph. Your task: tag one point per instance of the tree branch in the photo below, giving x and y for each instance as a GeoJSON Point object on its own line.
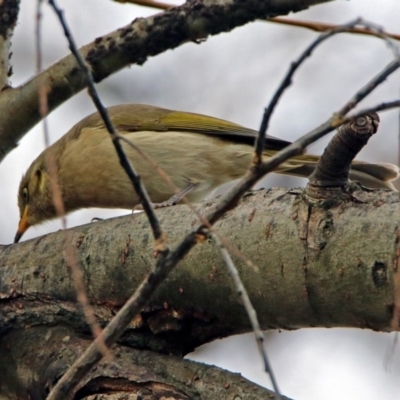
{"type": "Point", "coordinates": [296, 251]}
{"type": "Point", "coordinates": [315, 26]}
{"type": "Point", "coordinates": [131, 373]}
{"type": "Point", "coordinates": [297, 271]}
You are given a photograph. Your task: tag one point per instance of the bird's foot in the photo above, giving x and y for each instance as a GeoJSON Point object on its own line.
{"type": "Point", "coordinates": [172, 201]}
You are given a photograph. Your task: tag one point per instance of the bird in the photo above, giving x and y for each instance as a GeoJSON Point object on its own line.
{"type": "Point", "coordinates": [199, 153]}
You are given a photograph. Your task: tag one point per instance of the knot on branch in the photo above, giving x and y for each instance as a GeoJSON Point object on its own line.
{"type": "Point", "coordinates": [333, 167]}
{"type": "Point", "coordinates": [329, 188]}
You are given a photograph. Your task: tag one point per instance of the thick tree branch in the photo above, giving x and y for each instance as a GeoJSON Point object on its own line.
{"type": "Point", "coordinates": [132, 44]}
{"type": "Point", "coordinates": [315, 26]}
{"type": "Point", "coordinates": [304, 278]}
{"type": "Point", "coordinates": [37, 357]}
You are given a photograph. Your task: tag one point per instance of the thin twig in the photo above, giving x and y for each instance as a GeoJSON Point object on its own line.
{"type": "Point", "coordinates": [324, 27]}
{"type": "Point", "coordinates": [43, 104]}
{"type": "Point", "coordinates": [124, 160]}
{"type": "Point", "coordinates": [148, 3]}
{"type": "Point", "coordinates": [389, 105]}
{"type": "Point", "coordinates": [287, 80]}
{"type": "Point", "coordinates": [50, 161]}
{"type": "Point", "coordinates": [251, 312]}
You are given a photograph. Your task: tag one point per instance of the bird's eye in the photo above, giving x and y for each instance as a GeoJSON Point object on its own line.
{"type": "Point", "coordinates": [25, 194]}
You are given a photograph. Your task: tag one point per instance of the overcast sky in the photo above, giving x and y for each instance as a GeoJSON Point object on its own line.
{"type": "Point", "coordinates": [233, 76]}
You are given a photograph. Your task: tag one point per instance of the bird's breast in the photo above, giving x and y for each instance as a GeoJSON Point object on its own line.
{"type": "Point", "coordinates": [95, 178]}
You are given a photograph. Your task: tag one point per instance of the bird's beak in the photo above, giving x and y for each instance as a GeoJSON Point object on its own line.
{"type": "Point", "coordinates": [22, 226]}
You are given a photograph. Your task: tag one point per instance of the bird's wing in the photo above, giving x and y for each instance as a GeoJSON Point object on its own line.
{"type": "Point", "coordinates": [138, 117]}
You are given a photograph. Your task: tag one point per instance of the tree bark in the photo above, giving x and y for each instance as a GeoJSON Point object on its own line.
{"type": "Point", "coordinates": [42, 354]}
{"type": "Point", "coordinates": [331, 263]}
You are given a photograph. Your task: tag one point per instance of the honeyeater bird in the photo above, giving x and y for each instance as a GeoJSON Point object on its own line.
{"type": "Point", "coordinates": [198, 152]}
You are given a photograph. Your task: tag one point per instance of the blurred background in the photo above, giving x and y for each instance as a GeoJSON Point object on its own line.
{"type": "Point", "coordinates": [233, 76]}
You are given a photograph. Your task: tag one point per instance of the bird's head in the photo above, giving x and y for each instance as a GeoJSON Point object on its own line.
{"type": "Point", "coordinates": [35, 200]}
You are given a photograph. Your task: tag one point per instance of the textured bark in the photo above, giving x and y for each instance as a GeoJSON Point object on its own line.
{"type": "Point", "coordinates": [330, 268]}
{"type": "Point", "coordinates": [320, 263]}
{"type": "Point", "coordinates": [42, 354]}
{"type": "Point", "coordinates": [132, 44]}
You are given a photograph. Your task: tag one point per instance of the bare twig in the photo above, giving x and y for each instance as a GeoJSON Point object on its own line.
{"type": "Point", "coordinates": [389, 105]}
{"type": "Point", "coordinates": [287, 80]}
{"type": "Point", "coordinates": [324, 27]}
{"type": "Point", "coordinates": [43, 103]}
{"type": "Point", "coordinates": [148, 3]}
{"type": "Point", "coordinates": [124, 160]}
{"type": "Point", "coordinates": [251, 312]}
{"type": "Point", "coordinates": [77, 274]}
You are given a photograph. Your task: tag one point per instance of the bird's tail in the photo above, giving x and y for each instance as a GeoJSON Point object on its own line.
{"type": "Point", "coordinates": [379, 176]}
